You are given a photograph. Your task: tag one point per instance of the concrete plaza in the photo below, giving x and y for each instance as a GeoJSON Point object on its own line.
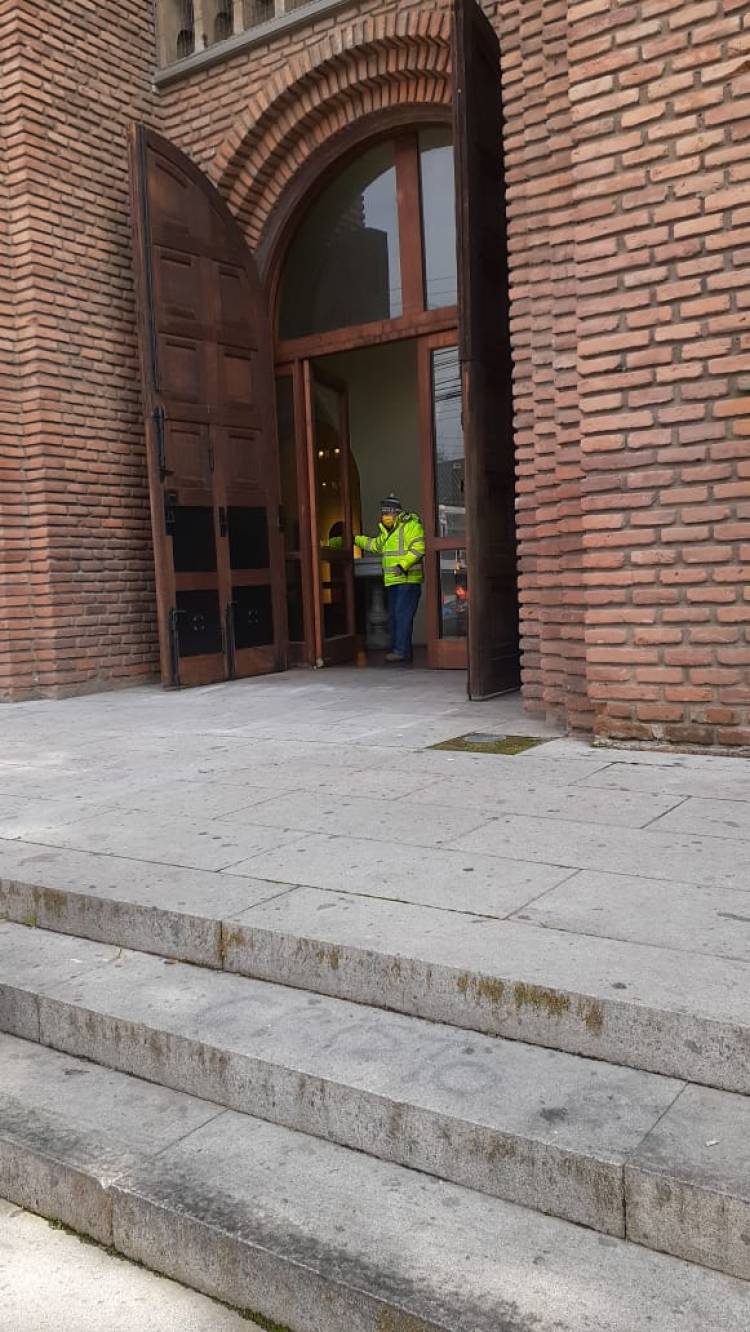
{"type": "Point", "coordinates": [327, 961]}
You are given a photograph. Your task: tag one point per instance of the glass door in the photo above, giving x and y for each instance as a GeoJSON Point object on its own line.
{"type": "Point", "coordinates": [443, 471]}
{"type": "Point", "coordinates": [331, 516]}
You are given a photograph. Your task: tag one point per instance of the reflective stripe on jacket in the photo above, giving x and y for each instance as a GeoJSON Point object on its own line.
{"type": "Point", "coordinates": [403, 545]}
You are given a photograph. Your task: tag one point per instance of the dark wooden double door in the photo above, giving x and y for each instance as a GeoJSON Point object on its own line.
{"type": "Point", "coordinates": [213, 458]}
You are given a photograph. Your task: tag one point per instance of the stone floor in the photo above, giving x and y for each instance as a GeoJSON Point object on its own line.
{"type": "Point", "coordinates": [328, 781]}
{"type": "Point", "coordinates": [572, 921]}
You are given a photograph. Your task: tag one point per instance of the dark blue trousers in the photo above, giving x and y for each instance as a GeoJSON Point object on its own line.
{"type": "Point", "coordinates": [403, 599]}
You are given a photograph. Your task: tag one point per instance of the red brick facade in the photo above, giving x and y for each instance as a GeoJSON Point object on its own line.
{"type": "Point", "coordinates": [629, 192]}
{"type": "Point", "coordinates": [76, 568]}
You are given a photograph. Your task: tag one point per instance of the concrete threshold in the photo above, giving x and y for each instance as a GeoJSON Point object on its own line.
{"type": "Point", "coordinates": [593, 1143]}
{"type": "Point", "coordinates": [619, 1001]}
{"type": "Point", "coordinates": [313, 1236]}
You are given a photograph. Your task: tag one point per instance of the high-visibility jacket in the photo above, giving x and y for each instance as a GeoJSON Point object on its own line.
{"type": "Point", "coordinates": [402, 546]}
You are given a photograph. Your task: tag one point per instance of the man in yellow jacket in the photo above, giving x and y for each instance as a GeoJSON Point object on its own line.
{"type": "Point", "coordinates": [400, 542]}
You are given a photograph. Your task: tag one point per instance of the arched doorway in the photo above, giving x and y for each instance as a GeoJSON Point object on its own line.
{"type": "Point", "coordinates": [369, 393]}
{"type": "Point", "coordinates": [246, 583]}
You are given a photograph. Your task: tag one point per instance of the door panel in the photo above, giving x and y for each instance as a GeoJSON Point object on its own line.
{"type": "Point", "coordinates": [206, 357]}
{"type": "Point", "coordinates": [331, 514]}
{"type": "Point", "coordinates": [484, 340]}
{"type": "Point", "coordinates": [443, 489]}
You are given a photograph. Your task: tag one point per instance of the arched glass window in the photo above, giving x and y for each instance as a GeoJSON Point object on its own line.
{"type": "Point", "coordinates": [346, 266]}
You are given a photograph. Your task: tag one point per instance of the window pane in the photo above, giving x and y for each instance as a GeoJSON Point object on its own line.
{"type": "Point", "coordinates": [438, 217]}
{"type": "Point", "coordinates": [335, 600]}
{"type": "Point", "coordinates": [253, 617]}
{"type": "Point", "coordinates": [193, 538]}
{"type": "Point", "coordinates": [449, 443]}
{"type": "Point", "coordinates": [344, 266]}
{"type": "Point", "coordinates": [295, 601]}
{"type": "Point", "coordinates": [199, 630]}
{"type": "Point", "coordinates": [454, 594]}
{"type": "Point", "coordinates": [288, 460]}
{"type": "Point", "coordinates": [248, 538]}
{"type": "Point", "coordinates": [330, 458]}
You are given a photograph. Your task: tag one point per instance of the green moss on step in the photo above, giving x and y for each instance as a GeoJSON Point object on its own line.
{"type": "Point", "coordinates": [543, 1001]}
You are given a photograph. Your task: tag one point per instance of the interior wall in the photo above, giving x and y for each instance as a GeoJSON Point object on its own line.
{"type": "Point", "coordinates": [384, 431]}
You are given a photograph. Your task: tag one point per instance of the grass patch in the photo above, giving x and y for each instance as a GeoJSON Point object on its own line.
{"type": "Point", "coordinates": [490, 744]}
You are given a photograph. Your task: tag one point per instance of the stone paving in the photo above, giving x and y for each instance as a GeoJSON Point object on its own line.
{"type": "Point", "coordinates": [327, 781]}
{"type": "Point", "coordinates": [572, 921]}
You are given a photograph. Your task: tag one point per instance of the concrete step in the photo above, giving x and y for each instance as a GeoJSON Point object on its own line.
{"type": "Point", "coordinates": [611, 1148]}
{"type": "Point", "coordinates": [313, 1237]}
{"type": "Point", "coordinates": [616, 1000]}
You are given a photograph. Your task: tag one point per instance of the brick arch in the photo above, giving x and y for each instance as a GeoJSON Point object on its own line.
{"type": "Point", "coordinates": [368, 66]}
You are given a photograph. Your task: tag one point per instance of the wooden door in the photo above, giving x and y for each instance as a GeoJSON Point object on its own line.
{"type": "Point", "coordinates": [329, 468]}
{"type": "Point", "coordinates": [484, 344]}
{"type": "Point", "coordinates": [206, 357]}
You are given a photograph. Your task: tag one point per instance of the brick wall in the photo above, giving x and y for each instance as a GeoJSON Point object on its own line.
{"type": "Point", "coordinates": [76, 550]}
{"type": "Point", "coordinates": [629, 196]}
{"type": "Point", "coordinates": [660, 96]}
{"type": "Point", "coordinates": [16, 649]}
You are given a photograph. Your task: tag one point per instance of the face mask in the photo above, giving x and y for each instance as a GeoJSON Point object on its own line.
{"type": "Point", "coordinates": [388, 520]}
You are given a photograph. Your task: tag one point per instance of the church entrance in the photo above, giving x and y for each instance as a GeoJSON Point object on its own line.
{"type": "Point", "coordinates": [382, 315]}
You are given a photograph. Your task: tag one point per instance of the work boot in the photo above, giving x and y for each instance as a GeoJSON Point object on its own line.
{"type": "Point", "coordinates": [394, 657]}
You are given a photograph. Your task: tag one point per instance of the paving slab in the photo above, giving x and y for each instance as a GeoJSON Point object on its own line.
{"type": "Point", "coordinates": [540, 800]}
{"type": "Point", "coordinates": [162, 909]}
{"type": "Point", "coordinates": [710, 818]}
{"type": "Point", "coordinates": [382, 821]}
{"type": "Point", "coordinates": [546, 1129]}
{"type": "Point", "coordinates": [682, 857]}
{"type": "Point", "coordinates": [68, 1128]}
{"type": "Point", "coordinates": [681, 916]}
{"type": "Point", "coordinates": [207, 845]}
{"type": "Point", "coordinates": [429, 876]}
{"type": "Point", "coordinates": [326, 1240]}
{"type": "Point", "coordinates": [688, 1185]}
{"type": "Point", "coordinates": [710, 776]}
{"type": "Point", "coordinates": [610, 999]}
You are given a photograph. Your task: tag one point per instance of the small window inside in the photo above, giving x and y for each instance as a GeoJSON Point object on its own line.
{"type": "Point", "coordinates": [224, 21]}
{"type": "Point", "coordinates": [183, 25]}
{"type": "Point", "coordinates": [258, 11]}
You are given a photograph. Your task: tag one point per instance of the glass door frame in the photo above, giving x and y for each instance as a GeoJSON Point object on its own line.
{"type": "Point", "coordinates": [442, 653]}
{"type": "Point", "coordinates": [429, 328]}
{"type": "Point", "coordinates": [341, 648]}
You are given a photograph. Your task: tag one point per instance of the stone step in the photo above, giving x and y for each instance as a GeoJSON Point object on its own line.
{"type": "Point", "coordinates": [310, 1236]}
{"type": "Point", "coordinates": [620, 1001]}
{"type": "Point", "coordinates": [602, 1145]}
